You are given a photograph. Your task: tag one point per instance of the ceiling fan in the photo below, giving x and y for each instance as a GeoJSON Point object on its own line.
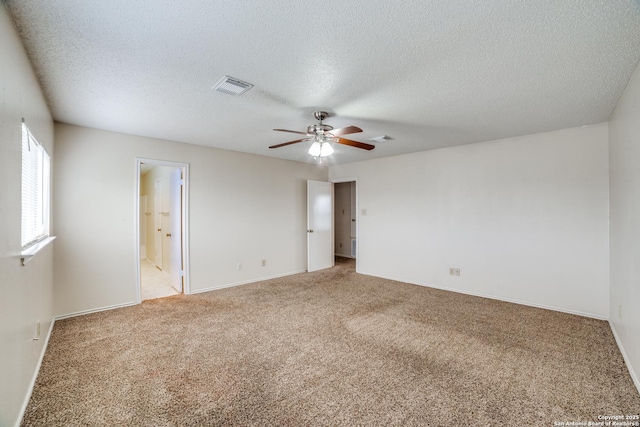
{"type": "Point", "coordinates": [322, 135]}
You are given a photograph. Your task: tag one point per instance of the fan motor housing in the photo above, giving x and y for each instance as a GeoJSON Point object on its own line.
{"type": "Point", "coordinates": [319, 129]}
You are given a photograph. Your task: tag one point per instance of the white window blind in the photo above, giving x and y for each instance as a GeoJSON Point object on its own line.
{"type": "Point", "coordinates": [35, 190]}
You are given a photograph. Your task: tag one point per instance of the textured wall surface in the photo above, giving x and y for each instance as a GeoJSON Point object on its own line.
{"type": "Point", "coordinates": [624, 140]}
{"type": "Point", "coordinates": [26, 291]}
{"type": "Point", "coordinates": [525, 219]}
{"type": "Point", "coordinates": [242, 209]}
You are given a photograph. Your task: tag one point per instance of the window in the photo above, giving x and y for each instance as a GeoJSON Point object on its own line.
{"type": "Point", "coordinates": [35, 190]}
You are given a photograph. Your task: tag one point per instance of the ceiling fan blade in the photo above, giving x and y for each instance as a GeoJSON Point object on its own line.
{"type": "Point", "coordinates": [289, 143]}
{"type": "Point", "coordinates": [345, 131]}
{"type": "Point", "coordinates": [290, 131]}
{"type": "Point", "coordinates": [355, 144]}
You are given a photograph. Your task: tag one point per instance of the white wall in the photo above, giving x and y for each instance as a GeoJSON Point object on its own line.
{"type": "Point", "coordinates": [525, 219]}
{"type": "Point", "coordinates": [624, 158]}
{"type": "Point", "coordinates": [25, 292]}
{"type": "Point", "coordinates": [243, 208]}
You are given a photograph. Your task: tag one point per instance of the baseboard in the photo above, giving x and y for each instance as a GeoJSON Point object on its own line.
{"type": "Point", "coordinates": [627, 362]}
{"type": "Point", "coordinates": [32, 384]}
{"type": "Point", "coordinates": [513, 301]}
{"type": "Point", "coordinates": [246, 282]}
{"type": "Point", "coordinates": [95, 310]}
{"type": "Point", "coordinates": [198, 291]}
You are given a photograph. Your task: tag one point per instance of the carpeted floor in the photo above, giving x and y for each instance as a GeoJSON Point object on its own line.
{"type": "Point", "coordinates": [330, 348]}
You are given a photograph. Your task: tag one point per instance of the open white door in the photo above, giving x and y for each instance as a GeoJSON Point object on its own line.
{"type": "Point", "coordinates": [157, 215]}
{"type": "Point", "coordinates": [175, 229]}
{"type": "Point", "coordinates": [319, 225]}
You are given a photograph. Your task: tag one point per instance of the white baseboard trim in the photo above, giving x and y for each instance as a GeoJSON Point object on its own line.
{"type": "Point", "coordinates": [32, 384]}
{"type": "Point", "coordinates": [95, 310]}
{"type": "Point", "coordinates": [246, 282]}
{"type": "Point", "coordinates": [514, 301]}
{"type": "Point", "coordinates": [198, 291]}
{"type": "Point", "coordinates": [627, 362]}
{"type": "Point", "coordinates": [634, 376]}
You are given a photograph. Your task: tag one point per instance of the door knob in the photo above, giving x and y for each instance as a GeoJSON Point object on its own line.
{"type": "Point", "coordinates": [159, 229]}
{"type": "Point", "coordinates": [309, 231]}
{"type": "Point", "coordinates": [168, 234]}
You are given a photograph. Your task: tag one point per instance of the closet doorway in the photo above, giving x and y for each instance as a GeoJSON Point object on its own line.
{"type": "Point", "coordinates": [161, 233]}
{"type": "Point", "coordinates": [345, 219]}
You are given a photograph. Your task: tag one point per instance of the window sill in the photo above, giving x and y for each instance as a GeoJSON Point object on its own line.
{"type": "Point", "coordinates": [29, 253]}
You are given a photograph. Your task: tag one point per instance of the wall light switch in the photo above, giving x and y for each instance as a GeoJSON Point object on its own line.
{"type": "Point", "coordinates": [364, 212]}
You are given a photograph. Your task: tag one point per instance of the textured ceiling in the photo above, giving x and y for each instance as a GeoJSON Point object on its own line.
{"type": "Point", "coordinates": [428, 73]}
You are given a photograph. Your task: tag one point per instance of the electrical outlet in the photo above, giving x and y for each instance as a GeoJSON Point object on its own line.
{"type": "Point", "coordinates": [239, 266]}
{"type": "Point", "coordinates": [454, 271]}
{"type": "Point", "coordinates": [264, 262]}
{"type": "Point", "coordinates": [36, 335]}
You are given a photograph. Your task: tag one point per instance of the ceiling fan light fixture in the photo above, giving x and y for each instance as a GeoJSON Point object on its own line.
{"type": "Point", "coordinates": [326, 150]}
{"type": "Point", "coordinates": [322, 135]}
{"type": "Point", "coordinates": [320, 149]}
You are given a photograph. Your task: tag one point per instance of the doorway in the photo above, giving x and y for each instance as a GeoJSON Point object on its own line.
{"type": "Point", "coordinates": [346, 222]}
{"type": "Point", "coordinates": [161, 232]}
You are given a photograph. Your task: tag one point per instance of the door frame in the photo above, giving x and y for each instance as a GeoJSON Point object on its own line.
{"type": "Point", "coordinates": [357, 215]}
{"type": "Point", "coordinates": [186, 289]}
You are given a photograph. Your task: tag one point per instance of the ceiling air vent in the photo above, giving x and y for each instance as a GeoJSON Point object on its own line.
{"type": "Point", "coordinates": [232, 86]}
{"type": "Point", "coordinates": [381, 138]}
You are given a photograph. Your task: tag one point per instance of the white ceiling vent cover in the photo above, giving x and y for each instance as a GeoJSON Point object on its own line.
{"type": "Point", "coordinates": [232, 86]}
{"type": "Point", "coordinates": [381, 138]}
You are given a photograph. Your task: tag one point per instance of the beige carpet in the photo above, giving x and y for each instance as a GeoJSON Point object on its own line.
{"type": "Point", "coordinates": [330, 348]}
